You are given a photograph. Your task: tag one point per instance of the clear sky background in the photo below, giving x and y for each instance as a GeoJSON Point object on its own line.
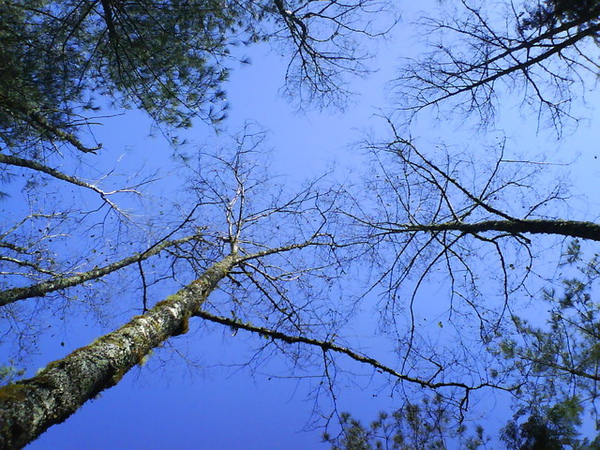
{"type": "Point", "coordinates": [170, 403]}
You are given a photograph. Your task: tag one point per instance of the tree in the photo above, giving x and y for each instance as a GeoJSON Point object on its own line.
{"type": "Point", "coordinates": [423, 426]}
{"type": "Point", "coordinates": [432, 221]}
{"type": "Point", "coordinates": [474, 215]}
{"type": "Point", "coordinates": [553, 11]}
{"type": "Point", "coordinates": [431, 427]}
{"type": "Point", "coordinates": [254, 256]}
{"type": "Point", "coordinates": [554, 428]}
{"type": "Point", "coordinates": [274, 263]}
{"type": "Point", "coordinates": [558, 360]}
{"type": "Point", "coordinates": [539, 50]}
{"type": "Point", "coordinates": [62, 62]}
{"type": "Point", "coordinates": [31, 406]}
{"type": "Point", "coordinates": [170, 58]}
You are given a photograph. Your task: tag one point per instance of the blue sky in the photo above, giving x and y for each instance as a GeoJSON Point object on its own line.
{"type": "Point", "coordinates": [174, 405]}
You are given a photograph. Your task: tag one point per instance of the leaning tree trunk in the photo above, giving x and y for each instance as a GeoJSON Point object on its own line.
{"type": "Point", "coordinates": [29, 407]}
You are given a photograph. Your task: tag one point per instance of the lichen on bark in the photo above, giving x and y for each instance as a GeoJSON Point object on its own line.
{"type": "Point", "coordinates": [29, 407]}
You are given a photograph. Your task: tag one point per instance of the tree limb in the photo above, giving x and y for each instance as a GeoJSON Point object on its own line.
{"type": "Point", "coordinates": [39, 290]}
{"type": "Point", "coordinates": [330, 346]}
{"type": "Point", "coordinates": [570, 228]}
{"type": "Point", "coordinates": [34, 165]}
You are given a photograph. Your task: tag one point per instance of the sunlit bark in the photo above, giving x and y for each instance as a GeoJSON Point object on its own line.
{"type": "Point", "coordinates": [29, 407]}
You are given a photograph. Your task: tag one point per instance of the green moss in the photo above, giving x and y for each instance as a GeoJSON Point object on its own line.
{"type": "Point", "coordinates": [118, 375]}
{"type": "Point", "coordinates": [13, 392]}
{"type": "Point", "coordinates": [166, 302]}
{"type": "Point", "coordinates": [145, 358]}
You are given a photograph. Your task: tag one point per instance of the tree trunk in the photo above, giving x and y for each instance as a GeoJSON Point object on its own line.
{"type": "Point", "coordinates": [570, 228]}
{"type": "Point", "coordinates": [29, 407]}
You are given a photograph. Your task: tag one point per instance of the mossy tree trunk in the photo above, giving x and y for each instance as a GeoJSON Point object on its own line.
{"type": "Point", "coordinates": [569, 228]}
{"type": "Point", "coordinates": [29, 407]}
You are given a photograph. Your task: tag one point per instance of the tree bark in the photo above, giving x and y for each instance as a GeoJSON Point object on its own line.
{"type": "Point", "coordinates": [570, 228]}
{"type": "Point", "coordinates": [29, 407]}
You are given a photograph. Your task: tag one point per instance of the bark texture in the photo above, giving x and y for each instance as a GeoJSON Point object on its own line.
{"type": "Point", "coordinates": [571, 228]}
{"type": "Point", "coordinates": [29, 407]}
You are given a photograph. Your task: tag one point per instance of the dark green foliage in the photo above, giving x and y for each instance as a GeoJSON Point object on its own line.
{"type": "Point", "coordinates": [169, 58]}
{"type": "Point", "coordinates": [565, 353]}
{"type": "Point", "coordinates": [553, 12]}
{"type": "Point", "coordinates": [568, 10]}
{"type": "Point", "coordinates": [354, 437]}
{"type": "Point", "coordinates": [429, 426]}
{"type": "Point", "coordinates": [34, 70]}
{"type": "Point", "coordinates": [548, 428]}
{"type": "Point", "coordinates": [559, 361]}
{"type": "Point", "coordinates": [166, 57]}
{"type": "Point", "coordinates": [551, 428]}
{"type": "Point", "coordinates": [556, 366]}
{"type": "Point", "coordinates": [425, 426]}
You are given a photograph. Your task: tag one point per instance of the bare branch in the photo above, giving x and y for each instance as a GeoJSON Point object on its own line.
{"type": "Point", "coordinates": [34, 165]}
{"type": "Point", "coordinates": [329, 346]}
{"type": "Point", "coordinates": [39, 290]}
{"type": "Point", "coordinates": [475, 53]}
